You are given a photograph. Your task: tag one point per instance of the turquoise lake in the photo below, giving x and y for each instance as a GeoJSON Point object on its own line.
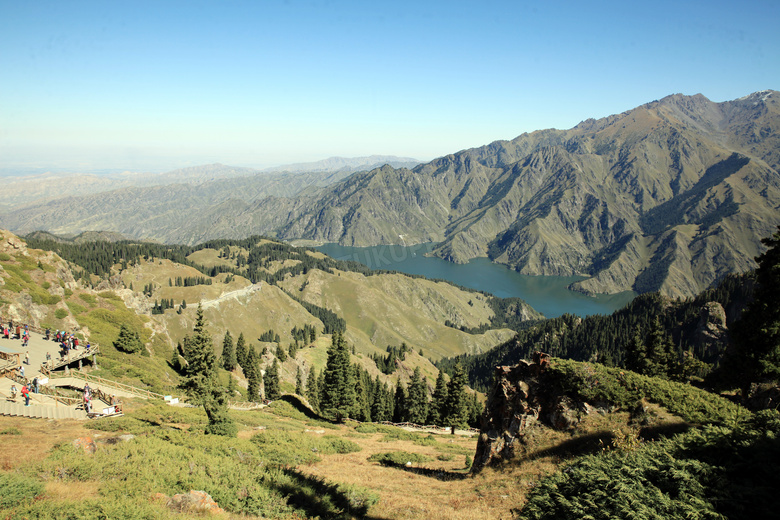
{"type": "Point", "coordinates": [547, 294]}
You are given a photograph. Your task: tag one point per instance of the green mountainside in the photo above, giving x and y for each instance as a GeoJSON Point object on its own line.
{"type": "Point", "coordinates": [639, 442]}
{"type": "Point", "coordinates": [254, 286]}
{"type": "Point", "coordinates": [669, 196]}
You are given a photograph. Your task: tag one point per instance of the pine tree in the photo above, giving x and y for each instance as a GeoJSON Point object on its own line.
{"type": "Point", "coordinates": [299, 382]}
{"type": "Point", "coordinates": [475, 411]}
{"type": "Point", "coordinates": [128, 341]}
{"type": "Point", "coordinates": [438, 408]}
{"type": "Point", "coordinates": [399, 404]}
{"type": "Point", "coordinates": [457, 404]}
{"type": "Point", "coordinates": [253, 376]}
{"type": "Point", "coordinates": [417, 400]}
{"type": "Point", "coordinates": [280, 353]}
{"type": "Point", "coordinates": [362, 410]}
{"type": "Point", "coordinates": [271, 381]}
{"type": "Point", "coordinates": [228, 352]}
{"type": "Point", "coordinates": [241, 350]}
{"type": "Point", "coordinates": [755, 356]}
{"type": "Point", "coordinates": [338, 392]}
{"type": "Point", "coordinates": [201, 383]}
{"type": "Point", "coordinates": [312, 390]}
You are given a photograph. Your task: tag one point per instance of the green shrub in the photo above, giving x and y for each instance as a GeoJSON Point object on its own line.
{"type": "Point", "coordinates": [13, 430]}
{"type": "Point", "coordinates": [593, 383]}
{"type": "Point", "coordinates": [115, 508]}
{"type": "Point", "coordinates": [366, 428]}
{"type": "Point", "coordinates": [397, 458]}
{"type": "Point", "coordinates": [60, 314]}
{"type": "Point", "coordinates": [75, 308]}
{"type": "Point", "coordinates": [88, 298]}
{"type": "Point", "coordinates": [335, 444]}
{"type": "Point", "coordinates": [709, 472]}
{"type": "Point", "coordinates": [17, 489]}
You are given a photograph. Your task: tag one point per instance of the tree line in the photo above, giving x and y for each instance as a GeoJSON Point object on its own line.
{"type": "Point", "coordinates": [652, 334]}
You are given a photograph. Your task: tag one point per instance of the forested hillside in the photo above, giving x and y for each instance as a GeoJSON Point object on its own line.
{"type": "Point", "coordinates": [681, 338]}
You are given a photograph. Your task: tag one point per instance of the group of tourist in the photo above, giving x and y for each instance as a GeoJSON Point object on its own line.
{"type": "Point", "coordinates": [9, 332]}
{"type": "Point", "coordinates": [25, 391]}
{"type": "Point", "coordinates": [67, 342]}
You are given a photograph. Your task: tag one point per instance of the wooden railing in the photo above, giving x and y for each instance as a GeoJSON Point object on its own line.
{"type": "Point", "coordinates": [68, 359]}
{"type": "Point", "coordinates": [140, 392]}
{"type": "Point", "coordinates": [42, 389]}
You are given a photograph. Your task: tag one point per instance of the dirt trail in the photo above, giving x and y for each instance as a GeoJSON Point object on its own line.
{"type": "Point", "coordinates": [232, 295]}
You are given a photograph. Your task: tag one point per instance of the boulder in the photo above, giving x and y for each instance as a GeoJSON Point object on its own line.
{"type": "Point", "coordinates": [85, 444]}
{"type": "Point", "coordinates": [194, 502]}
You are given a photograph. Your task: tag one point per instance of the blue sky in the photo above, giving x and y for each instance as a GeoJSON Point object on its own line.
{"type": "Point", "coordinates": [157, 85]}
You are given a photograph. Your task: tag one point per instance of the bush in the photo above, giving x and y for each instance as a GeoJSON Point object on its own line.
{"type": "Point", "coordinates": [397, 458]}
{"type": "Point", "coordinates": [594, 383]}
{"type": "Point", "coordinates": [709, 472]}
{"type": "Point", "coordinates": [17, 489]}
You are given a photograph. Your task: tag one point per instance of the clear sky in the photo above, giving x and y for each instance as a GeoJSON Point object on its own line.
{"type": "Point", "coordinates": [157, 85]}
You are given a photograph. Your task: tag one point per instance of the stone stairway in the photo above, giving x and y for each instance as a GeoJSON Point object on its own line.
{"type": "Point", "coordinates": [39, 411]}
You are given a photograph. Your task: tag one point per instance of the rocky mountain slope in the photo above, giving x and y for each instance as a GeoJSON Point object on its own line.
{"type": "Point", "coordinates": [669, 196]}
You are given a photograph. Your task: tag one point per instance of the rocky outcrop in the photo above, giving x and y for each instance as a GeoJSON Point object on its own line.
{"type": "Point", "coordinates": [711, 334]}
{"type": "Point", "coordinates": [194, 502]}
{"type": "Point", "coordinates": [522, 396]}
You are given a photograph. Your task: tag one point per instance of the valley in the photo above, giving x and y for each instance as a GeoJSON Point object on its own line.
{"type": "Point", "coordinates": [669, 196]}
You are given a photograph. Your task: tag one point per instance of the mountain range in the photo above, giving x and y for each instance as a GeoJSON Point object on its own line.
{"type": "Point", "coordinates": [669, 196]}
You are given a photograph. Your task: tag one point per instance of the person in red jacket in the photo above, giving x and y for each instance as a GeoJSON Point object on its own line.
{"type": "Point", "coordinates": [26, 395]}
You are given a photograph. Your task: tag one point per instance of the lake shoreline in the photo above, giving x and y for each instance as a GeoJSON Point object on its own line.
{"type": "Point", "coordinates": [549, 295]}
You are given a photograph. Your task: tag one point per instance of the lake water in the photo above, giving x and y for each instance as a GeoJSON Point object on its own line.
{"type": "Point", "coordinates": [547, 294]}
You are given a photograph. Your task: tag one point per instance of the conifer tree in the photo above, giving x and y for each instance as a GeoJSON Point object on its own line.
{"type": "Point", "coordinates": [438, 408]}
{"type": "Point", "coordinates": [299, 382]}
{"type": "Point", "coordinates": [457, 404]}
{"type": "Point", "coordinates": [201, 382]}
{"type": "Point", "coordinates": [241, 350]}
{"type": "Point", "coordinates": [399, 404]}
{"type": "Point", "coordinates": [128, 341]}
{"type": "Point", "coordinates": [756, 353]}
{"type": "Point", "coordinates": [312, 390]}
{"type": "Point", "coordinates": [417, 400]}
{"type": "Point", "coordinates": [175, 361]}
{"type": "Point", "coordinates": [253, 376]}
{"type": "Point", "coordinates": [271, 381]}
{"type": "Point", "coordinates": [362, 410]}
{"type": "Point", "coordinates": [475, 411]}
{"type": "Point", "coordinates": [280, 353]}
{"type": "Point", "coordinates": [228, 352]}
{"type": "Point", "coordinates": [338, 392]}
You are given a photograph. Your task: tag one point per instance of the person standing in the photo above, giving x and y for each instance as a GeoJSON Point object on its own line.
{"type": "Point", "coordinates": [26, 395]}
{"type": "Point", "coordinates": [27, 358]}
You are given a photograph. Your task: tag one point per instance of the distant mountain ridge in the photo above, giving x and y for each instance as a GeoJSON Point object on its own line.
{"type": "Point", "coordinates": [351, 164]}
{"type": "Point", "coordinates": [669, 196]}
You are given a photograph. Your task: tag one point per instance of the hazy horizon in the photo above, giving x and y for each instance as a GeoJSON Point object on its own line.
{"type": "Point", "coordinates": [153, 87]}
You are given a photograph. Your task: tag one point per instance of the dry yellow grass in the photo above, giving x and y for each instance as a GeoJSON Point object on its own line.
{"type": "Point", "coordinates": [450, 493]}
{"type": "Point", "coordinates": [37, 437]}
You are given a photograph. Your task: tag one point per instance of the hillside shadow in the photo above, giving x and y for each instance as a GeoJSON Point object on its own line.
{"type": "Point", "coordinates": [302, 407]}
{"type": "Point", "coordinates": [597, 441]}
{"type": "Point", "coordinates": [321, 499]}
{"type": "Point", "coordinates": [438, 474]}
